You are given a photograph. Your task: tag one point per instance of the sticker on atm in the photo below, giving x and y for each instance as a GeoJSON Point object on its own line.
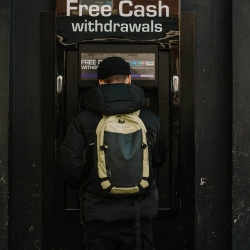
{"type": "Point", "coordinates": [141, 63]}
{"type": "Point", "coordinates": [150, 63]}
{"type": "Point", "coordinates": [133, 63]}
{"type": "Point", "coordinates": [135, 76]}
{"type": "Point", "coordinates": [147, 76]}
{"type": "Point", "coordinates": [140, 76]}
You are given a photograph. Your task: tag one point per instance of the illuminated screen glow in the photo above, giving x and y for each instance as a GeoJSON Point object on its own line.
{"type": "Point", "coordinates": [142, 65]}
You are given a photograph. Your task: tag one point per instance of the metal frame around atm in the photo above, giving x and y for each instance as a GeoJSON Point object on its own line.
{"type": "Point", "coordinates": [54, 214]}
{"type": "Point", "coordinates": [68, 107]}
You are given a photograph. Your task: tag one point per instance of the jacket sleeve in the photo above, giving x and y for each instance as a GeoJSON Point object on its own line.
{"type": "Point", "coordinates": [160, 145]}
{"type": "Point", "coordinates": [156, 137]}
{"type": "Point", "coordinates": [71, 155]}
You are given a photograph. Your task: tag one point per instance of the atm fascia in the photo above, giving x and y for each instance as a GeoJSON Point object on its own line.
{"type": "Point", "coordinates": [158, 94]}
{"type": "Point", "coordinates": [129, 53]}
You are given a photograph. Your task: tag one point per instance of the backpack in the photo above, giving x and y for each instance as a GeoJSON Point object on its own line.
{"type": "Point", "coordinates": [121, 156]}
{"type": "Point", "coordinates": [121, 166]}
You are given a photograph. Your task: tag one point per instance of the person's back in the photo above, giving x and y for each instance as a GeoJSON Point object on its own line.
{"type": "Point", "coordinates": [109, 222]}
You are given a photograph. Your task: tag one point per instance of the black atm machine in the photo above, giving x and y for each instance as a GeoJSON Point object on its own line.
{"type": "Point", "coordinates": [150, 69]}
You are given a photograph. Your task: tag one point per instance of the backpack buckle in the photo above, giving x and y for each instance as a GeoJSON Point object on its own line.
{"type": "Point", "coordinates": [103, 147]}
{"type": "Point", "coordinates": [121, 120]}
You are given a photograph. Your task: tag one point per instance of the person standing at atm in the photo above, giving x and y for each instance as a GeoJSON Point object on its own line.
{"type": "Point", "coordinates": [109, 222]}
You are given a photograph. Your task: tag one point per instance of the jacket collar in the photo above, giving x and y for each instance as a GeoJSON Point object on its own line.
{"type": "Point", "coordinates": [118, 98]}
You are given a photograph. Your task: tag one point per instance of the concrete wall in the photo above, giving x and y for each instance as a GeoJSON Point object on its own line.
{"type": "Point", "coordinates": [241, 125]}
{"type": "Point", "coordinates": [4, 120]}
{"type": "Point", "coordinates": [25, 212]}
{"type": "Point", "coordinates": [212, 123]}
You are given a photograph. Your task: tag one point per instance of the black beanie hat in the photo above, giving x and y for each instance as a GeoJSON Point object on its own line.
{"type": "Point", "coordinates": [112, 66]}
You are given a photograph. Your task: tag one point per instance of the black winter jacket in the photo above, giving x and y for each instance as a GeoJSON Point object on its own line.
{"type": "Point", "coordinates": [109, 99]}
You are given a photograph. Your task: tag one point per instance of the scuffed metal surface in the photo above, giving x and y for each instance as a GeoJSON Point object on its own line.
{"type": "Point", "coordinates": [241, 126]}
{"type": "Point", "coordinates": [4, 123]}
{"type": "Point", "coordinates": [212, 124]}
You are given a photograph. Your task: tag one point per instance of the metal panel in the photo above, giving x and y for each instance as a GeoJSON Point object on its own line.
{"type": "Point", "coordinates": [72, 92]}
{"type": "Point", "coordinates": [67, 233]}
{"type": "Point", "coordinates": [4, 122]}
{"type": "Point", "coordinates": [164, 114]}
{"type": "Point", "coordinates": [178, 232]}
{"type": "Point", "coordinates": [212, 124]}
{"type": "Point", "coordinates": [67, 201]}
{"type": "Point", "coordinates": [240, 125]}
{"type": "Point", "coordinates": [25, 116]}
{"type": "Point", "coordinates": [187, 143]}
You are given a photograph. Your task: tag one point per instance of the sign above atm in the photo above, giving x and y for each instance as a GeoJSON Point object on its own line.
{"type": "Point", "coordinates": [84, 20]}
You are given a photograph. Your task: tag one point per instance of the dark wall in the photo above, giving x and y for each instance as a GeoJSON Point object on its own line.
{"type": "Point", "coordinates": [4, 117]}
{"type": "Point", "coordinates": [212, 123]}
{"type": "Point", "coordinates": [241, 128]}
{"type": "Point", "coordinates": [25, 122]}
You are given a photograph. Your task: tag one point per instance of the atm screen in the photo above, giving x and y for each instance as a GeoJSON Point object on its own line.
{"type": "Point", "coordinates": [142, 65]}
{"type": "Point", "coordinates": [143, 60]}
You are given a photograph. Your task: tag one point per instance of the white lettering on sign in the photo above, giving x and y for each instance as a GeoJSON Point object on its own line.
{"type": "Point", "coordinates": [93, 10]}
{"type": "Point", "coordinates": [106, 10]}
{"type": "Point", "coordinates": [88, 62]}
{"type": "Point", "coordinates": [151, 9]}
{"type": "Point", "coordinates": [69, 8]}
{"type": "Point", "coordinates": [88, 26]}
{"type": "Point", "coordinates": [139, 10]}
{"type": "Point", "coordinates": [88, 67]}
{"type": "Point", "coordinates": [130, 13]}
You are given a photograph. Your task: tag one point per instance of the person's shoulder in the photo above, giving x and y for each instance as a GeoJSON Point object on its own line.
{"type": "Point", "coordinates": [88, 113]}
{"type": "Point", "coordinates": [146, 113]}
{"type": "Point", "coordinates": [87, 119]}
{"type": "Point", "coordinates": [149, 118]}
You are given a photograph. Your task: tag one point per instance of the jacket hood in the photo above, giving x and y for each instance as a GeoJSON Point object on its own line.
{"type": "Point", "coordinates": [111, 99]}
